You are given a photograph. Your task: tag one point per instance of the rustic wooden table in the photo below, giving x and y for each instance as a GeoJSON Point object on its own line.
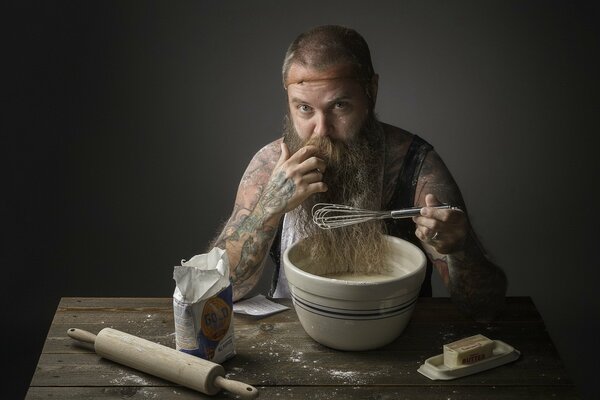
{"type": "Point", "coordinates": [275, 355]}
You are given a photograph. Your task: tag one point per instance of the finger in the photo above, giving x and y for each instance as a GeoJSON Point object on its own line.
{"type": "Point", "coordinates": [285, 153]}
{"type": "Point", "coordinates": [317, 187]}
{"type": "Point", "coordinates": [419, 235]}
{"type": "Point", "coordinates": [307, 160]}
{"type": "Point", "coordinates": [424, 234]}
{"type": "Point", "coordinates": [313, 177]}
{"type": "Point", "coordinates": [294, 163]}
{"type": "Point", "coordinates": [446, 215]}
{"type": "Point", "coordinates": [431, 200]}
{"type": "Point", "coordinates": [425, 222]}
{"type": "Point", "coordinates": [312, 164]}
{"type": "Point", "coordinates": [435, 244]}
{"type": "Point", "coordinates": [303, 154]}
{"type": "Point", "coordinates": [429, 211]}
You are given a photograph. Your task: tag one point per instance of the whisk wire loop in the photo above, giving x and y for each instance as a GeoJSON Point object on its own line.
{"type": "Point", "coordinates": [331, 216]}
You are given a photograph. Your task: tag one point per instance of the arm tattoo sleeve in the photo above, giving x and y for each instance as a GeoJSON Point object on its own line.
{"type": "Point", "coordinates": [477, 286]}
{"type": "Point", "coordinates": [249, 233]}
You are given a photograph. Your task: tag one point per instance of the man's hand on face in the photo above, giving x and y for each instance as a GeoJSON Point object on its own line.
{"type": "Point", "coordinates": [293, 180]}
{"type": "Point", "coordinates": [443, 229]}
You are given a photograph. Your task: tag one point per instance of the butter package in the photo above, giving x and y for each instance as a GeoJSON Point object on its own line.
{"type": "Point", "coordinates": [467, 351]}
{"type": "Point", "coordinates": [202, 307]}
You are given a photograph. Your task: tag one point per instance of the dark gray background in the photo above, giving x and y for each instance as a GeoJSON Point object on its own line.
{"type": "Point", "coordinates": [129, 125]}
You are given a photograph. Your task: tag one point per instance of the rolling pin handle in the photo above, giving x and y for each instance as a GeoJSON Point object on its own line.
{"type": "Point", "coordinates": [239, 388]}
{"type": "Point", "coordinates": [81, 335]}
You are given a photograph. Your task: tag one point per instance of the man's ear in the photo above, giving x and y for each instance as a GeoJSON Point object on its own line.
{"type": "Point", "coordinates": [373, 86]}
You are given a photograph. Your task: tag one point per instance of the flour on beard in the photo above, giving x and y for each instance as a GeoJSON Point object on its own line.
{"type": "Point", "coordinates": [354, 178]}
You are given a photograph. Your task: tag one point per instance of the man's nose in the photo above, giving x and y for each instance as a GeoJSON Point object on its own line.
{"type": "Point", "coordinates": [322, 125]}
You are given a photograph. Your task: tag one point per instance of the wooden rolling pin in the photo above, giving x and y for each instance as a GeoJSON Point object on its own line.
{"type": "Point", "coordinates": [167, 363]}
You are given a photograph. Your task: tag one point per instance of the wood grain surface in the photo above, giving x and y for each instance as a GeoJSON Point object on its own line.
{"type": "Point", "coordinates": [275, 355]}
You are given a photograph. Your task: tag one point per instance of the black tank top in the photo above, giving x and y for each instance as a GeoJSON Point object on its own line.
{"type": "Point", "coordinates": [404, 197]}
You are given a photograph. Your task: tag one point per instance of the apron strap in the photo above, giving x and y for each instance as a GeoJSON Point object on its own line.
{"type": "Point", "coordinates": [275, 253]}
{"type": "Point", "coordinates": [404, 197]}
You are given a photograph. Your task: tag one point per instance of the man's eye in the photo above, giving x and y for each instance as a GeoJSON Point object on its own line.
{"type": "Point", "coordinates": [340, 105]}
{"type": "Point", "coordinates": [303, 108]}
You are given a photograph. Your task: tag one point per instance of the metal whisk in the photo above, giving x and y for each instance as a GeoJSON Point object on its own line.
{"type": "Point", "coordinates": [331, 216]}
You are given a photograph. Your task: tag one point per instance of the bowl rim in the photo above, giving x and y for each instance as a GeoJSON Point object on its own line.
{"type": "Point", "coordinates": [422, 265]}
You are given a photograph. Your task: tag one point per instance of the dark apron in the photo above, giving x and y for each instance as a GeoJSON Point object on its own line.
{"type": "Point", "coordinates": [404, 197]}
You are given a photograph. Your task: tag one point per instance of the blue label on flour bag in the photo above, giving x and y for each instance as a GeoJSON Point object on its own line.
{"type": "Point", "coordinates": [212, 322]}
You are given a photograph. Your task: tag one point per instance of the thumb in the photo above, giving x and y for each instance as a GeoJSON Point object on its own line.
{"type": "Point", "coordinates": [431, 200]}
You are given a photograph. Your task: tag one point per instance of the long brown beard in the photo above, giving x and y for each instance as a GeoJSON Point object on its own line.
{"type": "Point", "coordinates": [353, 177]}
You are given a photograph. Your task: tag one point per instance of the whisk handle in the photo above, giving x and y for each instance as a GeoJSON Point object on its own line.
{"type": "Point", "coordinates": [415, 211]}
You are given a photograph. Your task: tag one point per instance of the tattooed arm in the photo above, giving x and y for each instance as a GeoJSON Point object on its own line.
{"type": "Point", "coordinates": [476, 285]}
{"type": "Point", "coordinates": [273, 184]}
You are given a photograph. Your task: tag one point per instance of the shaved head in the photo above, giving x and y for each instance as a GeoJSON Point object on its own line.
{"type": "Point", "coordinates": [325, 46]}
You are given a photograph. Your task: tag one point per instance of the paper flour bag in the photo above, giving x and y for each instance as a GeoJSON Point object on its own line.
{"type": "Point", "coordinates": [202, 307]}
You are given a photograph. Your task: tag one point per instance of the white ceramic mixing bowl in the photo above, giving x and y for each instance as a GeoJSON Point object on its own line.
{"type": "Point", "coordinates": [357, 315]}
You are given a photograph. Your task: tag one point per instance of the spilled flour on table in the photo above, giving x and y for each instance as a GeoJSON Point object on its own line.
{"type": "Point", "coordinates": [147, 394]}
{"type": "Point", "coordinates": [129, 378]}
{"type": "Point", "coordinates": [345, 375]}
{"type": "Point", "coordinates": [233, 372]}
{"type": "Point", "coordinates": [279, 351]}
{"type": "Point", "coordinates": [296, 356]}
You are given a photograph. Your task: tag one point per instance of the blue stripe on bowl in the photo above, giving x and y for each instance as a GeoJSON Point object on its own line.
{"type": "Point", "coordinates": [375, 314]}
{"type": "Point", "coordinates": [367, 311]}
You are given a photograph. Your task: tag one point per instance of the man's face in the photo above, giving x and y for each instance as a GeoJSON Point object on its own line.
{"type": "Point", "coordinates": [333, 114]}
{"type": "Point", "coordinates": [326, 103]}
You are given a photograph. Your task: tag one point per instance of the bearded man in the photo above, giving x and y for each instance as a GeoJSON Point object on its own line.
{"type": "Point", "coordinates": [335, 150]}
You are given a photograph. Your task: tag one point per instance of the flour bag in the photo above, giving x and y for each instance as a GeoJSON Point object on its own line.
{"type": "Point", "coordinates": [203, 307]}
